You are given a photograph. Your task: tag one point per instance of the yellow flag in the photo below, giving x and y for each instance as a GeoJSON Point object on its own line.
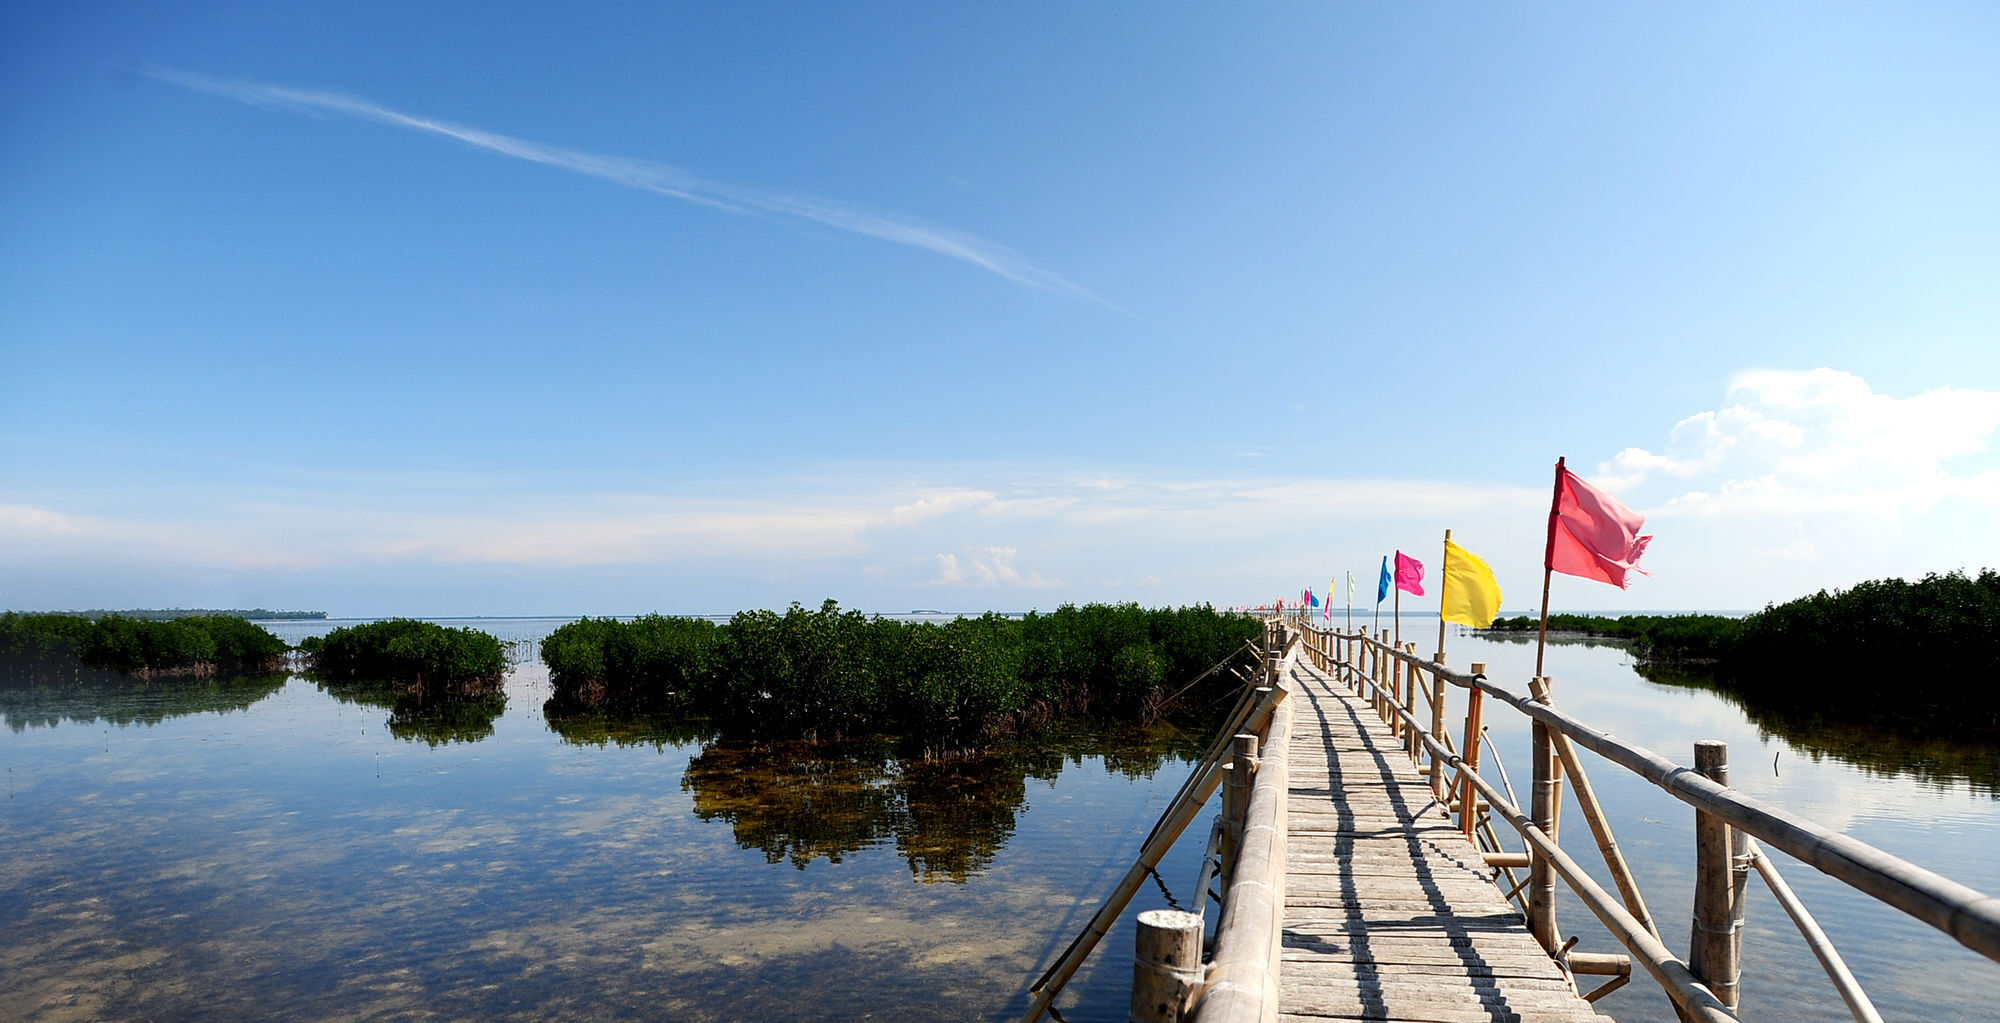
{"type": "Point", "coordinates": [1471, 596]}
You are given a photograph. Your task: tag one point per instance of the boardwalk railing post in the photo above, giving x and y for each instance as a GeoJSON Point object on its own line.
{"type": "Point", "coordinates": [1716, 948]}
{"type": "Point", "coordinates": [1468, 798]}
{"type": "Point", "coordinates": [1236, 799]}
{"type": "Point", "coordinates": [1440, 789]}
{"type": "Point", "coordinates": [1545, 800]}
{"type": "Point", "coordinates": [1412, 675]}
{"type": "Point", "coordinates": [1166, 966]}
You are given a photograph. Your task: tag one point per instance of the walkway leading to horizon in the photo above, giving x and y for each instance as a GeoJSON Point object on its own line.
{"type": "Point", "coordinates": [1390, 913]}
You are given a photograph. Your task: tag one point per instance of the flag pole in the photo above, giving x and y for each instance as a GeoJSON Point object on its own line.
{"type": "Point", "coordinates": [1444, 577]}
{"type": "Point", "coordinates": [1396, 619]}
{"type": "Point", "coordinates": [1350, 601]}
{"type": "Point", "coordinates": [1548, 566]}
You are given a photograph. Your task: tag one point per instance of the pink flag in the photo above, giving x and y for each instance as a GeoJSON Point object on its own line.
{"type": "Point", "coordinates": [1592, 535]}
{"type": "Point", "coordinates": [1409, 574]}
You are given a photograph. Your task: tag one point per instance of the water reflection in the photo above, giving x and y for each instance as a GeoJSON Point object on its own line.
{"type": "Point", "coordinates": [1882, 739]}
{"type": "Point", "coordinates": [45, 699]}
{"type": "Point", "coordinates": [798, 801]}
{"type": "Point", "coordinates": [1929, 748]}
{"type": "Point", "coordinates": [415, 716]}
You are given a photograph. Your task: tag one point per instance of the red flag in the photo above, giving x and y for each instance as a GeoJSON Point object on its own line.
{"type": "Point", "coordinates": [1592, 535]}
{"type": "Point", "coordinates": [1409, 574]}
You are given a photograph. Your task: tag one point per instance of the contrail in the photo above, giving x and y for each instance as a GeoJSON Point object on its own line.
{"type": "Point", "coordinates": [646, 176]}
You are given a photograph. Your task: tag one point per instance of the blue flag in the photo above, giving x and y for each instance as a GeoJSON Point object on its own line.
{"type": "Point", "coordinates": [1382, 588]}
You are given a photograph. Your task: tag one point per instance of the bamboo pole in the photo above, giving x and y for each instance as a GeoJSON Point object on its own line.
{"type": "Point", "coordinates": [1241, 985]}
{"type": "Point", "coordinates": [1166, 965]}
{"type": "Point", "coordinates": [1600, 829]}
{"type": "Point", "coordinates": [1412, 677]}
{"type": "Point", "coordinates": [1544, 796]}
{"type": "Point", "coordinates": [1829, 958]}
{"type": "Point", "coordinates": [1236, 799]}
{"type": "Point", "coordinates": [1440, 789]}
{"type": "Point", "coordinates": [1468, 803]}
{"type": "Point", "coordinates": [1444, 580]}
{"type": "Point", "coordinates": [1671, 974]}
{"type": "Point", "coordinates": [1715, 945]}
{"type": "Point", "coordinates": [1548, 567]}
{"type": "Point", "coordinates": [1178, 813]}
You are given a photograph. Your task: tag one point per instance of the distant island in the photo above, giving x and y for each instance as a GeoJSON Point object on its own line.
{"type": "Point", "coordinates": [168, 614]}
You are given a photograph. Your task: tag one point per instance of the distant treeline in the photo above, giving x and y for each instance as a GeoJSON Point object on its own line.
{"type": "Point", "coordinates": [947, 686]}
{"type": "Point", "coordinates": [409, 653]}
{"type": "Point", "coordinates": [1664, 639]}
{"type": "Point", "coordinates": [156, 614]}
{"type": "Point", "coordinates": [1931, 646]}
{"type": "Point", "coordinates": [198, 645]}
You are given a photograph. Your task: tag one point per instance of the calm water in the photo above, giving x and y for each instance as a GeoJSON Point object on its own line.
{"type": "Point", "coordinates": [266, 849]}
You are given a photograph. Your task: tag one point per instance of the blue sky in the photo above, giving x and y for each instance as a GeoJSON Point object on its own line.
{"type": "Point", "coordinates": [387, 308]}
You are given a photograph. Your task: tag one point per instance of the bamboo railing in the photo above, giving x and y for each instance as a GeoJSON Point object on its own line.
{"type": "Point", "coordinates": [1729, 828]}
{"type": "Point", "coordinates": [1163, 986]}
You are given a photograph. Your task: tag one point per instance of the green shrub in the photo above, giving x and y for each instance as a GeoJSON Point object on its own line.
{"type": "Point", "coordinates": [205, 644]}
{"type": "Point", "coordinates": [951, 686]}
{"type": "Point", "coordinates": [422, 655]}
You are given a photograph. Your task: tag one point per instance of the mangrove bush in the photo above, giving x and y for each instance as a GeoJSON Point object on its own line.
{"type": "Point", "coordinates": [410, 653]}
{"type": "Point", "coordinates": [194, 645]}
{"type": "Point", "coordinates": [953, 685]}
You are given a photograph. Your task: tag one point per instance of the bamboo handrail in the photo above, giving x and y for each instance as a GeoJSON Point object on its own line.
{"type": "Point", "coordinates": [1970, 916]}
{"type": "Point", "coordinates": [1242, 982]}
{"type": "Point", "coordinates": [1671, 973]}
{"type": "Point", "coordinates": [1255, 715]}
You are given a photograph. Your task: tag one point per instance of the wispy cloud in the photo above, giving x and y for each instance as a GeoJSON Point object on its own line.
{"type": "Point", "coordinates": [647, 176]}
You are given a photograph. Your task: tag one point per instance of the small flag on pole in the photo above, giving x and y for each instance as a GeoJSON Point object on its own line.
{"type": "Point", "coordinates": [1591, 535]}
{"type": "Point", "coordinates": [1382, 587]}
{"type": "Point", "coordinates": [1409, 574]}
{"type": "Point", "coordinates": [1472, 595]}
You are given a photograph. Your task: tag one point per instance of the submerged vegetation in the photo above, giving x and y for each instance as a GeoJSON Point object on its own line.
{"type": "Point", "coordinates": [415, 655]}
{"type": "Point", "coordinates": [1926, 651]}
{"type": "Point", "coordinates": [949, 686]}
{"type": "Point", "coordinates": [198, 646]}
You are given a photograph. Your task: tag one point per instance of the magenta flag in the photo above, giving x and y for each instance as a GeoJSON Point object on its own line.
{"type": "Point", "coordinates": [1593, 536]}
{"type": "Point", "coordinates": [1409, 574]}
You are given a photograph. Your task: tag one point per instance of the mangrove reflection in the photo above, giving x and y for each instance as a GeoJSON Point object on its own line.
{"type": "Point", "coordinates": [31, 698]}
{"type": "Point", "coordinates": [588, 723]}
{"type": "Point", "coordinates": [416, 716]}
{"type": "Point", "coordinates": [1924, 743]}
{"type": "Point", "coordinates": [797, 801]}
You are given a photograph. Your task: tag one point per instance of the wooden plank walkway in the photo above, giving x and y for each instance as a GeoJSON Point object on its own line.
{"type": "Point", "coordinates": [1390, 914]}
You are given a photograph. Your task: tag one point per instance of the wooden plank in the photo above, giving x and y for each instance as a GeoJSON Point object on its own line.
{"type": "Point", "coordinates": [1390, 913]}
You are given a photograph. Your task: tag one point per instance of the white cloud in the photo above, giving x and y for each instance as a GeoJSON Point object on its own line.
{"type": "Point", "coordinates": [1816, 442]}
{"type": "Point", "coordinates": [1811, 479]}
{"type": "Point", "coordinates": [988, 566]}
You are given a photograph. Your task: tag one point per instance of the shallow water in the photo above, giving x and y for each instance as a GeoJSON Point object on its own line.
{"type": "Point", "coordinates": [268, 850]}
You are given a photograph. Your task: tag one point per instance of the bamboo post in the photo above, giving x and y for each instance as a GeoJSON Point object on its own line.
{"type": "Point", "coordinates": [1236, 797]}
{"type": "Point", "coordinates": [1412, 676]}
{"type": "Point", "coordinates": [1440, 789]}
{"type": "Point", "coordinates": [1166, 965]}
{"type": "Point", "coordinates": [1545, 796]}
{"type": "Point", "coordinates": [1716, 946]}
{"type": "Point", "coordinates": [1399, 680]}
{"type": "Point", "coordinates": [1468, 799]}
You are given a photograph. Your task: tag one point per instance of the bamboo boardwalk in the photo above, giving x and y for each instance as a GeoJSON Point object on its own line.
{"type": "Point", "coordinates": [1390, 913]}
